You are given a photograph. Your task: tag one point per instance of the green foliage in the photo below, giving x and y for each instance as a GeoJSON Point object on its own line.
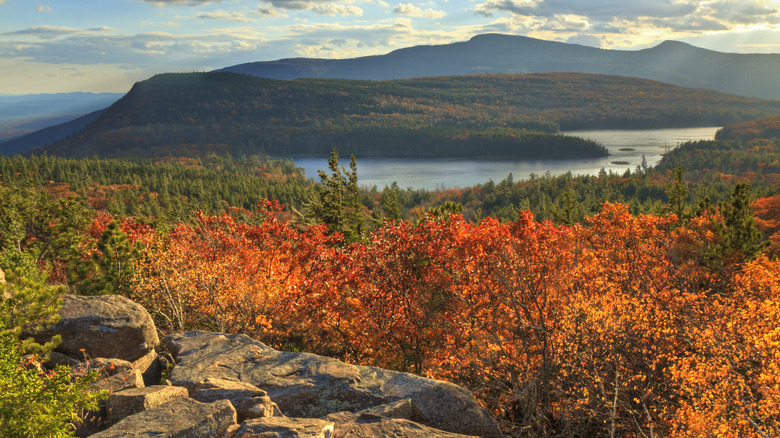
{"type": "Point", "coordinates": [46, 227]}
{"type": "Point", "coordinates": [389, 201]}
{"type": "Point", "coordinates": [336, 202]}
{"type": "Point", "coordinates": [446, 210]}
{"type": "Point", "coordinates": [111, 267]}
{"type": "Point", "coordinates": [37, 405]}
{"type": "Point", "coordinates": [169, 189]}
{"type": "Point", "coordinates": [33, 403]}
{"type": "Point", "coordinates": [485, 115]}
{"type": "Point", "coordinates": [677, 191]}
{"type": "Point", "coordinates": [27, 303]}
{"type": "Point", "coordinates": [739, 234]}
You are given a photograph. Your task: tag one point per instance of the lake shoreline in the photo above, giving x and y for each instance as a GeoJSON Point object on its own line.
{"type": "Point", "coordinates": [448, 173]}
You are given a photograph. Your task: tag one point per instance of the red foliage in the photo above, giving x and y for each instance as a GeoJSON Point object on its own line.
{"type": "Point", "coordinates": [612, 327]}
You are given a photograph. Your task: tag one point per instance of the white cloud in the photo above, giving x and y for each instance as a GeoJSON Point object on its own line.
{"type": "Point", "coordinates": [585, 40]}
{"type": "Point", "coordinates": [224, 15]}
{"type": "Point", "coordinates": [43, 8]}
{"type": "Point", "coordinates": [318, 6]}
{"type": "Point", "coordinates": [627, 24]}
{"type": "Point", "coordinates": [180, 2]}
{"type": "Point", "coordinates": [336, 9]}
{"type": "Point", "coordinates": [50, 32]}
{"type": "Point", "coordinates": [410, 10]}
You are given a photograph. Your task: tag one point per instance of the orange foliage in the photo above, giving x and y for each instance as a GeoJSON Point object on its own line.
{"type": "Point", "coordinates": [613, 327]}
{"type": "Point", "coordinates": [767, 217]}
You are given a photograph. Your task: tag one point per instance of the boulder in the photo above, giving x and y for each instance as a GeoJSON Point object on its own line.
{"type": "Point", "coordinates": [56, 359]}
{"type": "Point", "coordinates": [103, 326]}
{"type": "Point", "coordinates": [114, 375]}
{"type": "Point", "coordinates": [311, 386]}
{"type": "Point", "coordinates": [150, 367]}
{"type": "Point", "coordinates": [354, 425]}
{"type": "Point", "coordinates": [249, 400]}
{"type": "Point", "coordinates": [130, 401]}
{"type": "Point", "coordinates": [283, 427]}
{"type": "Point", "coordinates": [178, 418]}
{"type": "Point", "coordinates": [404, 409]}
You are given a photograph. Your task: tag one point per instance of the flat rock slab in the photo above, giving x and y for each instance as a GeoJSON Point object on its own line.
{"type": "Point", "coordinates": [130, 401]}
{"type": "Point", "coordinates": [179, 418]}
{"type": "Point", "coordinates": [249, 400]}
{"type": "Point", "coordinates": [351, 425]}
{"type": "Point", "coordinates": [306, 385]}
{"type": "Point", "coordinates": [283, 427]}
{"type": "Point", "coordinates": [103, 326]}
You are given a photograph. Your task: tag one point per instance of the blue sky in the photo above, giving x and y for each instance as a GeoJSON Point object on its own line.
{"type": "Point", "coordinates": [49, 46]}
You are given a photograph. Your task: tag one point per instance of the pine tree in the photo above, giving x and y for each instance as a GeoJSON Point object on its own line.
{"type": "Point", "coordinates": [336, 202]}
{"type": "Point", "coordinates": [740, 233]}
{"type": "Point", "coordinates": [677, 191]}
{"type": "Point", "coordinates": [111, 269]}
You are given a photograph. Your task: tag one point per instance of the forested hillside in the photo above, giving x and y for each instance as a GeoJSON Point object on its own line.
{"type": "Point", "coordinates": [661, 324]}
{"type": "Point", "coordinates": [483, 116]}
{"type": "Point", "coordinates": [768, 127]}
{"type": "Point", "coordinates": [637, 304]}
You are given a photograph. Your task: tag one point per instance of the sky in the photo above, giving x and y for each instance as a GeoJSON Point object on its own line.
{"type": "Point", "coordinates": [55, 46]}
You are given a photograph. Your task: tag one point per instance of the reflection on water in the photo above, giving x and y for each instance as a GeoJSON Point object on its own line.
{"type": "Point", "coordinates": [626, 148]}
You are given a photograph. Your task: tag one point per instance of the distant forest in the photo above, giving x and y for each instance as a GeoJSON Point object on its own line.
{"type": "Point", "coordinates": [513, 116]}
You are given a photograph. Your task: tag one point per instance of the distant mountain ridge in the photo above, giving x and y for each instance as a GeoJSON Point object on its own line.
{"type": "Point", "coordinates": [27, 113]}
{"type": "Point", "coordinates": [673, 62]}
{"type": "Point", "coordinates": [47, 135]}
{"type": "Point", "coordinates": [188, 114]}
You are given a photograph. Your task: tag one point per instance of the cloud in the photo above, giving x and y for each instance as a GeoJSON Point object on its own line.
{"type": "Point", "coordinates": [596, 9]}
{"type": "Point", "coordinates": [585, 40]}
{"type": "Point", "coordinates": [337, 9]}
{"type": "Point", "coordinates": [181, 2]}
{"type": "Point", "coordinates": [43, 8]}
{"type": "Point", "coordinates": [270, 12]}
{"type": "Point", "coordinates": [411, 10]}
{"type": "Point", "coordinates": [742, 12]}
{"type": "Point", "coordinates": [319, 7]}
{"type": "Point", "coordinates": [49, 32]}
{"type": "Point", "coordinates": [627, 24]}
{"type": "Point", "coordinates": [224, 15]}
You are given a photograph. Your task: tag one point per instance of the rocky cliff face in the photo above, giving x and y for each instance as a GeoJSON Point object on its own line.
{"type": "Point", "coordinates": [233, 386]}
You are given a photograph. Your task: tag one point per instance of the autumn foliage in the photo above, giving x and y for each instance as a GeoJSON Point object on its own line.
{"type": "Point", "coordinates": [618, 326]}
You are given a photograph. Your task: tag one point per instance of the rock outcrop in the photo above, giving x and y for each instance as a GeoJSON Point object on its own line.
{"type": "Point", "coordinates": [182, 417]}
{"type": "Point", "coordinates": [103, 326]}
{"type": "Point", "coordinates": [131, 401]}
{"type": "Point", "coordinates": [109, 326]}
{"type": "Point", "coordinates": [231, 386]}
{"type": "Point", "coordinates": [311, 386]}
{"type": "Point", "coordinates": [352, 425]}
{"type": "Point", "coordinates": [280, 427]}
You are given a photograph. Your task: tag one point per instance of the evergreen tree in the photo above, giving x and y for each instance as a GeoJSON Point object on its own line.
{"type": "Point", "coordinates": [740, 234]}
{"type": "Point", "coordinates": [112, 266]}
{"type": "Point", "coordinates": [336, 202]}
{"type": "Point", "coordinates": [677, 191]}
{"type": "Point", "coordinates": [390, 203]}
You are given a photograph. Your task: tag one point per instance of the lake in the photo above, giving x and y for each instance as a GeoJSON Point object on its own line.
{"type": "Point", "coordinates": [626, 148]}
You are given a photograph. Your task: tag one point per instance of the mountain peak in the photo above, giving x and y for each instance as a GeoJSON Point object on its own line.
{"type": "Point", "coordinates": [675, 62]}
{"type": "Point", "coordinates": [672, 45]}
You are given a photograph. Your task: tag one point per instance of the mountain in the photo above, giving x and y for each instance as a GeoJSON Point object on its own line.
{"type": "Point", "coordinates": [47, 135]}
{"type": "Point", "coordinates": [187, 114]}
{"type": "Point", "coordinates": [672, 62]}
{"type": "Point", "coordinates": [23, 114]}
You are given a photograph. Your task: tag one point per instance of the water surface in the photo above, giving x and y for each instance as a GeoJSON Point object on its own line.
{"type": "Point", "coordinates": [626, 148]}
